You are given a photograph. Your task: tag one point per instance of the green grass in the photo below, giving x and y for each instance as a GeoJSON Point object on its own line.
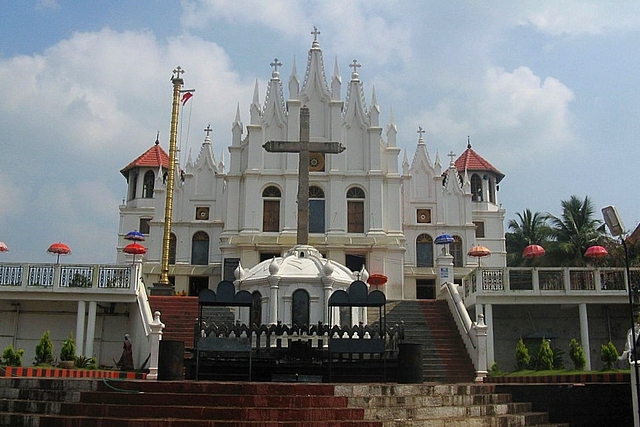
{"type": "Point", "coordinates": [532, 373]}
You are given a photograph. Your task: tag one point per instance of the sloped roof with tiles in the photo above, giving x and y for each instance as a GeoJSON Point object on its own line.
{"type": "Point", "coordinates": [472, 161]}
{"type": "Point", "coordinates": [154, 157]}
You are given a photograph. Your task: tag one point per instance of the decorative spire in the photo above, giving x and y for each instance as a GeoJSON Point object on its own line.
{"type": "Point", "coordinates": [157, 138]}
{"type": "Point", "coordinates": [294, 83]}
{"type": "Point", "coordinates": [468, 141]}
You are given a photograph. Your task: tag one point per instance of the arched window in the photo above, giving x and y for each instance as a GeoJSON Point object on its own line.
{"type": "Point", "coordinates": [424, 251]}
{"type": "Point", "coordinates": [200, 248]}
{"type": "Point", "coordinates": [271, 209]}
{"type": "Point", "coordinates": [316, 210]}
{"type": "Point", "coordinates": [173, 240]}
{"type": "Point", "coordinates": [456, 252]}
{"type": "Point", "coordinates": [476, 188]}
{"type": "Point", "coordinates": [300, 308]}
{"type": "Point", "coordinates": [256, 309]}
{"type": "Point", "coordinates": [492, 190]}
{"type": "Point", "coordinates": [147, 185]}
{"type": "Point", "coordinates": [133, 185]}
{"type": "Point", "coordinates": [355, 210]}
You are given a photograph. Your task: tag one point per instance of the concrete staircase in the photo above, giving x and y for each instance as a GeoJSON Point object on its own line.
{"type": "Point", "coordinates": [91, 403]}
{"type": "Point", "coordinates": [430, 323]}
{"type": "Point", "coordinates": [180, 314]}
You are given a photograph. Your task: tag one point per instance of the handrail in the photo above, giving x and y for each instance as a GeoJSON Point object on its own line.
{"type": "Point", "coordinates": [456, 305]}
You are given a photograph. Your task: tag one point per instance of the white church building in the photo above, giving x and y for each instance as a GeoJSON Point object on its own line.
{"type": "Point", "coordinates": [371, 211]}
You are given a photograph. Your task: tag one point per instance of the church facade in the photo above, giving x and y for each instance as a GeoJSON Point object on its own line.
{"type": "Point", "coordinates": [372, 208]}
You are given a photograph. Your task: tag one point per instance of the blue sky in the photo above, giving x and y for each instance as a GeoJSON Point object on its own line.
{"type": "Point", "coordinates": [547, 91]}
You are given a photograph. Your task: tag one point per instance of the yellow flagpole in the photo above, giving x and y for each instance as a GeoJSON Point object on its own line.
{"type": "Point", "coordinates": [168, 211]}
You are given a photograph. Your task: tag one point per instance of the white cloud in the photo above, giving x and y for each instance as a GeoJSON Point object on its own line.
{"type": "Point", "coordinates": [516, 115]}
{"type": "Point", "coordinates": [577, 18]}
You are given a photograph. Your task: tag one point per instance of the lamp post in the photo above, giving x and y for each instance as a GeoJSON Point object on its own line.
{"type": "Point", "coordinates": [614, 223]}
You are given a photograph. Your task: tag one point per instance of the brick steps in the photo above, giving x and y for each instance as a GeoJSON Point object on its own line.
{"type": "Point", "coordinates": [224, 404]}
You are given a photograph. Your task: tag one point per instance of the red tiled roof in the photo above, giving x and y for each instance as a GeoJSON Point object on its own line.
{"type": "Point", "coordinates": [154, 157]}
{"type": "Point", "coordinates": [472, 161]}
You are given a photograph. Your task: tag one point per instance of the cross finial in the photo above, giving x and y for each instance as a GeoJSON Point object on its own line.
{"type": "Point", "coordinates": [315, 33]}
{"type": "Point", "coordinates": [468, 141]}
{"type": "Point", "coordinates": [208, 130]}
{"type": "Point", "coordinates": [275, 64]}
{"type": "Point", "coordinates": [451, 155]}
{"type": "Point", "coordinates": [421, 131]}
{"type": "Point", "coordinates": [177, 72]}
{"type": "Point", "coordinates": [355, 66]}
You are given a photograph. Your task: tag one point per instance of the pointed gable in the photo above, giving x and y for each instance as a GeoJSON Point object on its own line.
{"type": "Point", "coordinates": [154, 157]}
{"type": "Point", "coordinates": [472, 161]}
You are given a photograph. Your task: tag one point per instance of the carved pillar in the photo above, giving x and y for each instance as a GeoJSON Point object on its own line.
{"type": "Point", "coordinates": [155, 336]}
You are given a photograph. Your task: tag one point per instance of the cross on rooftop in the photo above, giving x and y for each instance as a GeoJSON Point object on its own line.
{"type": "Point", "coordinates": [208, 130]}
{"type": "Point", "coordinates": [421, 131]}
{"type": "Point", "coordinates": [303, 147]}
{"type": "Point", "coordinates": [355, 66]}
{"type": "Point", "coordinates": [315, 33]}
{"type": "Point", "coordinates": [275, 64]}
{"type": "Point", "coordinates": [452, 155]}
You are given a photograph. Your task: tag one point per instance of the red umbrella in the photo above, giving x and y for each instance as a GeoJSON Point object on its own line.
{"type": "Point", "coordinates": [134, 249]}
{"type": "Point", "coordinates": [533, 251]}
{"type": "Point", "coordinates": [596, 252]}
{"type": "Point", "coordinates": [479, 252]}
{"type": "Point", "coordinates": [59, 249]}
{"type": "Point", "coordinates": [4, 247]}
{"type": "Point", "coordinates": [377, 279]}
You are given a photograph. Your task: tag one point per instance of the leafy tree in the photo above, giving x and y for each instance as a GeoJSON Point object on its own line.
{"type": "Point", "coordinates": [44, 350]}
{"type": "Point", "coordinates": [577, 355]}
{"type": "Point", "coordinates": [574, 231]}
{"type": "Point", "coordinates": [545, 359]}
{"type": "Point", "coordinates": [530, 228]}
{"type": "Point", "coordinates": [11, 357]}
{"type": "Point", "coordinates": [522, 355]}
{"type": "Point", "coordinates": [609, 355]}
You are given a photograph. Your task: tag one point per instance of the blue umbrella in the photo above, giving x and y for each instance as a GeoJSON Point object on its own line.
{"type": "Point", "coordinates": [443, 239]}
{"type": "Point", "coordinates": [135, 236]}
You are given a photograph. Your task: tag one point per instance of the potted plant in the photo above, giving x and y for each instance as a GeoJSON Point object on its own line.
{"type": "Point", "coordinates": [68, 353]}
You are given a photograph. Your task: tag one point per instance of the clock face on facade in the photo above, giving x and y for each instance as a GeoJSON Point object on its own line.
{"type": "Point", "coordinates": [202, 213]}
{"type": "Point", "coordinates": [316, 162]}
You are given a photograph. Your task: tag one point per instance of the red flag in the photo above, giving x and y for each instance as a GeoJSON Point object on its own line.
{"type": "Point", "coordinates": [187, 96]}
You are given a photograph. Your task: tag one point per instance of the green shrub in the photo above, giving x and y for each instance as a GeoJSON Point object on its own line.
{"type": "Point", "coordinates": [522, 355]}
{"type": "Point", "coordinates": [68, 350]}
{"type": "Point", "coordinates": [558, 358]}
{"type": "Point", "coordinates": [577, 355]}
{"type": "Point", "coordinates": [609, 355]}
{"type": "Point", "coordinates": [11, 357]}
{"type": "Point", "coordinates": [44, 350]}
{"type": "Point", "coordinates": [542, 359]}
{"type": "Point", "coordinates": [84, 362]}
{"type": "Point", "coordinates": [494, 371]}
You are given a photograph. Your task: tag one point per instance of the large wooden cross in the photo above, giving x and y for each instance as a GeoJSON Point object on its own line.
{"type": "Point", "coordinates": [303, 147]}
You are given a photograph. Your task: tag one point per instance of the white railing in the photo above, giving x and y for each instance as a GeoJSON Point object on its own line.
{"type": "Point", "coordinates": [548, 281]}
{"type": "Point", "coordinates": [474, 334]}
{"type": "Point", "coordinates": [67, 278]}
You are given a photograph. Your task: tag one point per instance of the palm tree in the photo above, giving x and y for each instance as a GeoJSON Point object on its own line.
{"type": "Point", "coordinates": [530, 229]}
{"type": "Point", "coordinates": [574, 231]}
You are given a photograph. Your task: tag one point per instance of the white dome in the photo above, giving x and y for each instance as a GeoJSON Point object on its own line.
{"type": "Point", "coordinates": [301, 263]}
